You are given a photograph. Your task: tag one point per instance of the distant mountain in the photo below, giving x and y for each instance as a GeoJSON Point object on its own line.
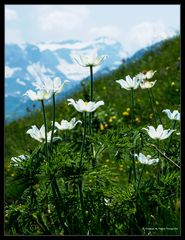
{"type": "Point", "coordinates": [23, 64]}
{"type": "Point", "coordinates": [137, 55]}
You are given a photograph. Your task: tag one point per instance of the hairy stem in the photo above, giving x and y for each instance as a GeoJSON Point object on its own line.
{"type": "Point", "coordinates": [165, 156]}
{"type": "Point", "coordinates": [53, 116]}
{"type": "Point", "coordinates": [84, 135]}
{"type": "Point", "coordinates": [45, 125]}
{"type": "Point", "coordinates": [91, 99]}
{"type": "Point", "coordinates": [151, 102]}
{"type": "Point", "coordinates": [155, 105]}
{"type": "Point", "coordinates": [173, 127]}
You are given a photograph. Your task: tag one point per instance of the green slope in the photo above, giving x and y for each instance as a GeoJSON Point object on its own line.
{"type": "Point", "coordinates": [116, 203]}
{"type": "Point", "coordinates": [165, 59]}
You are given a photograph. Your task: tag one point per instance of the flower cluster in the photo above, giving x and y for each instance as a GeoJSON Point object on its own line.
{"type": "Point", "coordinates": [45, 89]}
{"type": "Point", "coordinates": [138, 80]}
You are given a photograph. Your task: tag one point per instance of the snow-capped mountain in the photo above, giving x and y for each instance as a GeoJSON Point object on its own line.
{"type": "Point", "coordinates": [24, 63]}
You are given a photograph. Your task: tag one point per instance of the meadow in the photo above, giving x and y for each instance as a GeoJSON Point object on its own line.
{"type": "Point", "coordinates": [111, 173]}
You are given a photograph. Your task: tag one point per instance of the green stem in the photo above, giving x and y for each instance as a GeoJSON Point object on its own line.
{"type": "Point", "coordinates": [132, 121]}
{"type": "Point", "coordinates": [155, 105]}
{"type": "Point", "coordinates": [165, 156]}
{"type": "Point", "coordinates": [173, 127]}
{"type": "Point", "coordinates": [152, 106]}
{"type": "Point", "coordinates": [132, 106]}
{"type": "Point", "coordinates": [45, 124]}
{"type": "Point", "coordinates": [82, 201]}
{"type": "Point", "coordinates": [91, 99]}
{"type": "Point", "coordinates": [140, 177]}
{"type": "Point", "coordinates": [134, 168]}
{"type": "Point", "coordinates": [84, 135]}
{"type": "Point", "coordinates": [159, 164]}
{"type": "Point", "coordinates": [56, 200]}
{"type": "Point", "coordinates": [92, 83]}
{"type": "Point", "coordinates": [53, 125]}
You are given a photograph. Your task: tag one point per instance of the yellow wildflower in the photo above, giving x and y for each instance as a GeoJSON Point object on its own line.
{"type": "Point", "coordinates": [107, 160]}
{"type": "Point", "coordinates": [121, 169]}
{"type": "Point", "coordinates": [101, 127]}
{"type": "Point", "coordinates": [110, 119]}
{"type": "Point", "coordinates": [125, 113]}
{"type": "Point", "coordinates": [172, 84]}
{"type": "Point", "coordinates": [137, 120]}
{"type": "Point", "coordinates": [114, 117]}
{"type": "Point", "coordinates": [128, 109]}
{"type": "Point", "coordinates": [106, 125]}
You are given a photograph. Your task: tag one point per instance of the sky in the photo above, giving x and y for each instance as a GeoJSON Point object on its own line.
{"type": "Point", "coordinates": [134, 26]}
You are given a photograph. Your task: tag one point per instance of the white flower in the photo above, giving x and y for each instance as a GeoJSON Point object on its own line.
{"type": "Point", "coordinates": [39, 95]}
{"type": "Point", "coordinates": [129, 83]}
{"type": "Point", "coordinates": [159, 133]}
{"type": "Point", "coordinates": [19, 159]}
{"type": "Point", "coordinates": [82, 106]}
{"type": "Point", "coordinates": [54, 86]}
{"type": "Point", "coordinates": [175, 115]}
{"type": "Point", "coordinates": [65, 125]}
{"type": "Point", "coordinates": [147, 84]}
{"type": "Point", "coordinates": [39, 135]}
{"type": "Point", "coordinates": [147, 75]}
{"type": "Point", "coordinates": [150, 74]}
{"type": "Point", "coordinates": [90, 60]}
{"type": "Point", "coordinates": [146, 159]}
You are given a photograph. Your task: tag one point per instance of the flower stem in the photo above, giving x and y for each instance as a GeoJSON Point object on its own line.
{"type": "Point", "coordinates": [173, 127]}
{"type": "Point", "coordinates": [84, 135]}
{"type": "Point", "coordinates": [152, 106]}
{"type": "Point", "coordinates": [155, 105]}
{"type": "Point", "coordinates": [91, 99]}
{"type": "Point", "coordinates": [82, 201]}
{"type": "Point", "coordinates": [53, 125]}
{"type": "Point", "coordinates": [92, 83]}
{"type": "Point", "coordinates": [140, 177]}
{"type": "Point", "coordinates": [45, 124]}
{"type": "Point", "coordinates": [134, 166]}
{"type": "Point", "coordinates": [132, 106]}
{"type": "Point", "coordinates": [159, 164]}
{"type": "Point", "coordinates": [132, 121]}
{"type": "Point", "coordinates": [165, 156]}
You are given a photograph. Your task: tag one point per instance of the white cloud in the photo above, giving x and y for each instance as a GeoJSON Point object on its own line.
{"type": "Point", "coordinates": [108, 31]}
{"type": "Point", "coordinates": [10, 15]}
{"type": "Point", "coordinates": [10, 71]}
{"type": "Point", "coordinates": [146, 33]}
{"type": "Point", "coordinates": [20, 82]}
{"type": "Point", "coordinates": [67, 18]}
{"type": "Point", "coordinates": [13, 35]}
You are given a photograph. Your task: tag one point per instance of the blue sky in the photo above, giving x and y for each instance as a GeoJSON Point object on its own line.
{"type": "Point", "coordinates": [135, 26]}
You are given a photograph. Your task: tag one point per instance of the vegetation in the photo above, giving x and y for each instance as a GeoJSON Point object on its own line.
{"type": "Point", "coordinates": [96, 186]}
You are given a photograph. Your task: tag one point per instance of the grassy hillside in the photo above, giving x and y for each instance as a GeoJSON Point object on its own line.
{"type": "Point", "coordinates": [165, 59]}
{"type": "Point", "coordinates": [151, 200]}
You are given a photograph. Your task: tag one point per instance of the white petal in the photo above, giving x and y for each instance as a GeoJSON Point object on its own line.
{"type": "Point", "coordinates": [159, 131]}
{"type": "Point", "coordinates": [57, 125]}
